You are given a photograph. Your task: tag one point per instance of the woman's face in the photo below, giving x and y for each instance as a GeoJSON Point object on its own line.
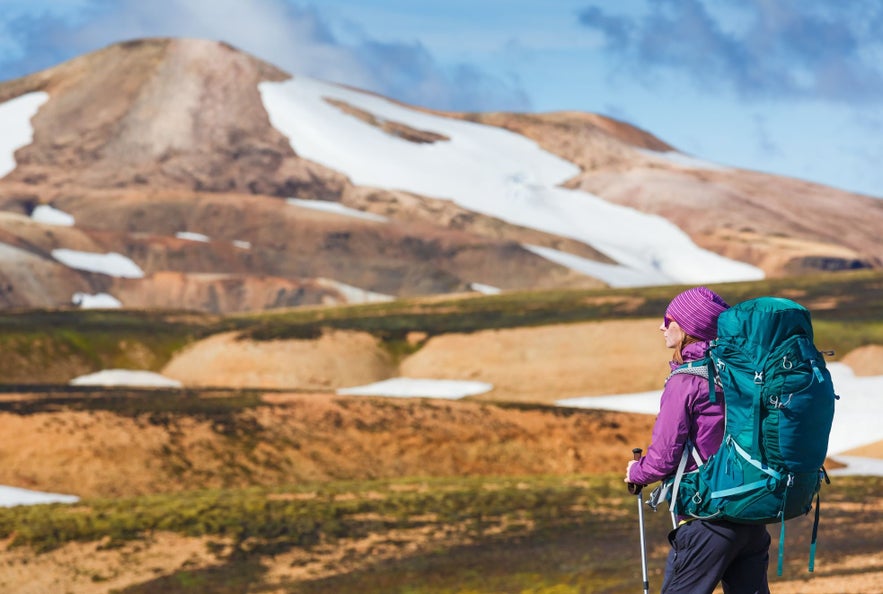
{"type": "Point", "coordinates": [672, 332]}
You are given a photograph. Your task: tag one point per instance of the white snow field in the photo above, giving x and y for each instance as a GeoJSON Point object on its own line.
{"type": "Point", "coordinates": [491, 171]}
{"type": "Point", "coordinates": [111, 264]}
{"type": "Point", "coordinates": [406, 387]}
{"type": "Point", "coordinates": [49, 215]}
{"type": "Point", "coordinates": [192, 236]}
{"type": "Point", "coordinates": [485, 289]}
{"type": "Point", "coordinates": [125, 377]}
{"type": "Point", "coordinates": [353, 294]}
{"type": "Point", "coordinates": [96, 301]}
{"type": "Point", "coordinates": [12, 496]}
{"type": "Point", "coordinates": [15, 126]}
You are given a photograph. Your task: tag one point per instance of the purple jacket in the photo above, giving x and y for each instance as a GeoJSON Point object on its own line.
{"type": "Point", "coordinates": [685, 413]}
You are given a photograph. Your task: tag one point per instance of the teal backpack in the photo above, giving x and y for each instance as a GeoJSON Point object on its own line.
{"type": "Point", "coordinates": [779, 403]}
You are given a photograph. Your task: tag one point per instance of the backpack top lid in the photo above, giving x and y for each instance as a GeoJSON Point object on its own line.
{"type": "Point", "coordinates": [757, 324]}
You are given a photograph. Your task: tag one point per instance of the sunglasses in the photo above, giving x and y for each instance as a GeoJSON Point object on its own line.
{"type": "Point", "coordinates": [666, 321]}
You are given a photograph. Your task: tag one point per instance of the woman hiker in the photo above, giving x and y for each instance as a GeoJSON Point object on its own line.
{"type": "Point", "coordinates": [703, 553]}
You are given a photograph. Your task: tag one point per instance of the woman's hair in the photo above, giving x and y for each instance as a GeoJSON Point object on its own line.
{"type": "Point", "coordinates": [687, 339]}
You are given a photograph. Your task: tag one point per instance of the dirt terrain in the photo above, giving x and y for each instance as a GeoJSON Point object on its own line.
{"type": "Point", "coordinates": [119, 448]}
{"type": "Point", "coordinates": [319, 436]}
{"type": "Point", "coordinates": [292, 438]}
{"type": "Point", "coordinates": [533, 365]}
{"type": "Point", "coordinates": [541, 364]}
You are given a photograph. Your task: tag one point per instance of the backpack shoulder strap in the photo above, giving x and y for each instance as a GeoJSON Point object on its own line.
{"type": "Point", "coordinates": [701, 368]}
{"type": "Point", "coordinates": [673, 483]}
{"type": "Point", "coordinates": [698, 368]}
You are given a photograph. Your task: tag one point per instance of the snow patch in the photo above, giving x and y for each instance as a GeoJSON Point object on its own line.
{"type": "Point", "coordinates": [337, 208]}
{"type": "Point", "coordinates": [243, 245]}
{"type": "Point", "coordinates": [97, 301]}
{"type": "Point", "coordinates": [491, 171]}
{"type": "Point", "coordinates": [12, 496]}
{"type": "Point", "coordinates": [485, 289]}
{"type": "Point", "coordinates": [353, 294]}
{"type": "Point", "coordinates": [856, 465]}
{"type": "Point", "coordinates": [125, 377]}
{"type": "Point", "coordinates": [190, 236]}
{"type": "Point", "coordinates": [404, 387]}
{"type": "Point", "coordinates": [111, 264]}
{"type": "Point", "coordinates": [46, 214]}
{"type": "Point", "coordinates": [614, 275]}
{"type": "Point", "coordinates": [15, 126]}
{"type": "Point", "coordinates": [646, 403]}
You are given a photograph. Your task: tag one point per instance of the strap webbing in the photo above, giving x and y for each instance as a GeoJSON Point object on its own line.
{"type": "Point", "coordinates": [689, 449]}
{"type": "Point", "coordinates": [815, 534]}
{"type": "Point", "coordinates": [677, 482]}
{"type": "Point", "coordinates": [782, 531]}
{"type": "Point", "coordinates": [696, 457]}
{"type": "Point", "coordinates": [757, 464]}
{"type": "Point", "coordinates": [712, 392]}
{"type": "Point", "coordinates": [757, 420]}
{"type": "Point", "coordinates": [740, 489]}
{"type": "Point", "coordinates": [781, 548]}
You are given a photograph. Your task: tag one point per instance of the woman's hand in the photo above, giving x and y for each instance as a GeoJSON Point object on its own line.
{"type": "Point", "coordinates": [628, 470]}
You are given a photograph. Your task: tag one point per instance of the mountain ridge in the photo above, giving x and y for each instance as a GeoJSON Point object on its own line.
{"type": "Point", "coordinates": [145, 140]}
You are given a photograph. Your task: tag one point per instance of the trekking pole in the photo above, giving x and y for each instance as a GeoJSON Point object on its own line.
{"type": "Point", "coordinates": [635, 489]}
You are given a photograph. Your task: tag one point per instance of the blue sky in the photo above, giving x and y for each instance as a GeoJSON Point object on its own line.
{"type": "Point", "coordinates": [788, 86]}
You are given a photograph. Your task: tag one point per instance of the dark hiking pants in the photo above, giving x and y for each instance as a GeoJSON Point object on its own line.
{"type": "Point", "coordinates": [704, 554]}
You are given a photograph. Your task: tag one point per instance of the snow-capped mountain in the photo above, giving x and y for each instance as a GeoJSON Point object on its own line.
{"type": "Point", "coordinates": [184, 173]}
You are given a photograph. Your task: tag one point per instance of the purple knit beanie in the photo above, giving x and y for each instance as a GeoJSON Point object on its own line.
{"type": "Point", "coordinates": [696, 311]}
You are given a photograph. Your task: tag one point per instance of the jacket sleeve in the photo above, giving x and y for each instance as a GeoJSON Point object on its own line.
{"type": "Point", "coordinates": [670, 433]}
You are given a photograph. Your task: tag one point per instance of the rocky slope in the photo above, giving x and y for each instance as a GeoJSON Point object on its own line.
{"type": "Point", "coordinates": [150, 144]}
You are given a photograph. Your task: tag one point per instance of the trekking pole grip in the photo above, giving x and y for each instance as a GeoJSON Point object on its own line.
{"type": "Point", "coordinates": [635, 489]}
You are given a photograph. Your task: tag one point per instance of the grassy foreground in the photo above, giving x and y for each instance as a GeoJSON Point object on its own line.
{"type": "Point", "coordinates": [274, 520]}
{"type": "Point", "coordinates": [534, 535]}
